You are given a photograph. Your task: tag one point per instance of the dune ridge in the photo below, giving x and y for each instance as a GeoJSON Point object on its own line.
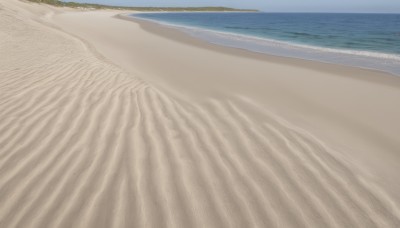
{"type": "Point", "coordinates": [85, 144]}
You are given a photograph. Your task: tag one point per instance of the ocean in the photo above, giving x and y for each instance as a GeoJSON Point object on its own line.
{"type": "Point", "coordinates": [363, 40]}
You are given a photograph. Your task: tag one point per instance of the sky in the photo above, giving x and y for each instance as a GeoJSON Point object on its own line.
{"type": "Point", "coordinates": [356, 6]}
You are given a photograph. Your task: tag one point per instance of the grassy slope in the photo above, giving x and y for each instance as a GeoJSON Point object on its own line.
{"type": "Point", "coordinates": [98, 6]}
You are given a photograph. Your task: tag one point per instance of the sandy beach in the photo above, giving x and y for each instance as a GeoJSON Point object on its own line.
{"type": "Point", "coordinates": [109, 121]}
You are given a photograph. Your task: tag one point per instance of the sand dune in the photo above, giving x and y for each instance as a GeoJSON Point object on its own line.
{"type": "Point", "coordinates": [85, 144]}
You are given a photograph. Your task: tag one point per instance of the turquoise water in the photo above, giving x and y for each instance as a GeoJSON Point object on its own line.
{"type": "Point", "coordinates": [363, 40]}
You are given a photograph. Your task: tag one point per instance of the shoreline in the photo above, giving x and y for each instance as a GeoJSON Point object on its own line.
{"type": "Point", "coordinates": [320, 49]}
{"type": "Point", "coordinates": [176, 34]}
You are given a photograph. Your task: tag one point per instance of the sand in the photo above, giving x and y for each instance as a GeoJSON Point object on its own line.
{"type": "Point", "coordinates": [106, 122]}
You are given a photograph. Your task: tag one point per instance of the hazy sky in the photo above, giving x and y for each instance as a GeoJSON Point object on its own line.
{"type": "Point", "coordinates": [387, 6]}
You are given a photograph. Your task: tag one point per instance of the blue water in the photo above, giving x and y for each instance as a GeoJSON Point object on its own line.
{"type": "Point", "coordinates": [363, 40]}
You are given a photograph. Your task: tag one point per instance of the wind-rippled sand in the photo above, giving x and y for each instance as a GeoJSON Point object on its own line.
{"type": "Point", "coordinates": [84, 144]}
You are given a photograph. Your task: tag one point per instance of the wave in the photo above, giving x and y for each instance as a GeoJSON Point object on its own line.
{"type": "Point", "coordinates": [250, 28]}
{"type": "Point", "coordinates": [286, 43]}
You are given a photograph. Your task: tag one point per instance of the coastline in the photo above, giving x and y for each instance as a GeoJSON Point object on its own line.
{"type": "Point", "coordinates": [370, 60]}
{"type": "Point", "coordinates": [142, 21]}
{"type": "Point", "coordinates": [107, 122]}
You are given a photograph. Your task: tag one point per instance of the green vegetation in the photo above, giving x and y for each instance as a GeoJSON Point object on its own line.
{"type": "Point", "coordinates": [98, 6]}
